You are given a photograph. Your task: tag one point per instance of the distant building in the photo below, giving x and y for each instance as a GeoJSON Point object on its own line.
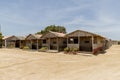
{"type": "Point", "coordinates": [33, 41]}
{"type": "Point", "coordinates": [87, 41]}
{"type": "Point", "coordinates": [115, 42]}
{"type": "Point", "coordinates": [55, 41]}
{"type": "Point", "coordinates": [13, 41]}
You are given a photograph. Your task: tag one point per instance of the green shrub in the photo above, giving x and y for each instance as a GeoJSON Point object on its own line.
{"type": "Point", "coordinates": [66, 50]}
{"type": "Point", "coordinates": [71, 50]}
{"type": "Point", "coordinates": [26, 48]}
{"type": "Point", "coordinates": [75, 49]}
{"type": "Point", "coordinates": [11, 46]}
{"type": "Point", "coordinates": [43, 49]}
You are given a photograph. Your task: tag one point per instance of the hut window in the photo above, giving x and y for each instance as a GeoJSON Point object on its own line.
{"type": "Point", "coordinates": [64, 42]}
{"type": "Point", "coordinates": [71, 40]}
{"type": "Point", "coordinates": [44, 41]}
{"type": "Point", "coordinates": [54, 42]}
{"type": "Point", "coordinates": [76, 41]}
{"type": "Point", "coordinates": [87, 41]}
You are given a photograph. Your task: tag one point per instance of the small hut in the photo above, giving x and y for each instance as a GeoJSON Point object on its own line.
{"type": "Point", "coordinates": [9, 41]}
{"type": "Point", "coordinates": [54, 41]}
{"type": "Point", "coordinates": [85, 41]}
{"type": "Point", "coordinates": [20, 42]}
{"type": "Point", "coordinates": [13, 41]}
{"type": "Point", "coordinates": [33, 41]}
{"type": "Point", "coordinates": [115, 42]}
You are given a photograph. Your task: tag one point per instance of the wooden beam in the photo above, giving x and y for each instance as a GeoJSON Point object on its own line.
{"type": "Point", "coordinates": [49, 43]}
{"type": "Point", "coordinates": [31, 43]}
{"type": "Point", "coordinates": [15, 43]}
{"type": "Point", "coordinates": [57, 44]}
{"type": "Point", "coordinates": [92, 43]}
{"type": "Point", "coordinates": [67, 41]}
{"type": "Point", "coordinates": [79, 42]}
{"type": "Point", "coordinates": [20, 44]}
{"type": "Point", "coordinates": [5, 43]}
{"type": "Point", "coordinates": [37, 44]}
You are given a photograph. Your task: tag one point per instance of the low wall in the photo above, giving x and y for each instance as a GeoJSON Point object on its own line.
{"type": "Point", "coordinates": [45, 45]}
{"type": "Point", "coordinates": [73, 45]}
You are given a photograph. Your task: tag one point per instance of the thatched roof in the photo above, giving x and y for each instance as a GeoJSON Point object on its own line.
{"type": "Point", "coordinates": [82, 33]}
{"type": "Point", "coordinates": [58, 34]}
{"type": "Point", "coordinates": [10, 38]}
{"type": "Point", "coordinates": [52, 34]}
{"type": "Point", "coordinates": [5, 37]}
{"type": "Point", "coordinates": [33, 36]}
{"type": "Point", "coordinates": [13, 37]}
{"type": "Point", "coordinates": [21, 37]}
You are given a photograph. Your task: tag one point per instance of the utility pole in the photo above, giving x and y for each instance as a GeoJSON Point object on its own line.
{"type": "Point", "coordinates": [0, 28]}
{"type": "Point", "coordinates": [0, 37]}
{"type": "Point", "coordinates": [59, 29]}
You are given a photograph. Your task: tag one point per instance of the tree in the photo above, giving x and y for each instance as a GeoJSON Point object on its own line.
{"type": "Point", "coordinates": [54, 28]}
{"type": "Point", "coordinates": [1, 40]}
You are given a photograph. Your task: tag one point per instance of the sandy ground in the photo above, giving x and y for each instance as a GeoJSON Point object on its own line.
{"type": "Point", "coordinates": [16, 64]}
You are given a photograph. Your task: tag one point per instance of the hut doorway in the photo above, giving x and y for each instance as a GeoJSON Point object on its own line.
{"type": "Point", "coordinates": [17, 44]}
{"type": "Point", "coordinates": [53, 44]}
{"type": "Point", "coordinates": [34, 46]}
{"type": "Point", "coordinates": [85, 44]}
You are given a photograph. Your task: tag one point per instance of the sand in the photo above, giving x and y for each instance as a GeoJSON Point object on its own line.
{"type": "Point", "coordinates": [17, 64]}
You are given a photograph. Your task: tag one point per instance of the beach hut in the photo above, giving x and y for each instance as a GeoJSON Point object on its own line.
{"type": "Point", "coordinates": [54, 41]}
{"type": "Point", "coordinates": [10, 41]}
{"type": "Point", "coordinates": [20, 42]}
{"type": "Point", "coordinates": [115, 42]}
{"type": "Point", "coordinates": [33, 41]}
{"type": "Point", "coordinates": [85, 41]}
{"type": "Point", "coordinates": [13, 41]}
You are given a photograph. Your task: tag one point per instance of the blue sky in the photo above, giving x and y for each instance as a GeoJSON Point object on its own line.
{"type": "Point", "coordinates": [21, 17]}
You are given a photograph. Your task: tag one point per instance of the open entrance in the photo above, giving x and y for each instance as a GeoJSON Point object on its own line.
{"type": "Point", "coordinates": [34, 46]}
{"type": "Point", "coordinates": [17, 44]}
{"type": "Point", "coordinates": [53, 44]}
{"type": "Point", "coordinates": [85, 44]}
{"type": "Point", "coordinates": [53, 47]}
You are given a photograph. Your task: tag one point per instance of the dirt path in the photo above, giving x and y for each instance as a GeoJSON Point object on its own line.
{"type": "Point", "coordinates": [17, 64]}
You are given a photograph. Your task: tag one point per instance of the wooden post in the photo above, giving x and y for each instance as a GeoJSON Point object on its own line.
{"type": "Point", "coordinates": [5, 43]}
{"type": "Point", "coordinates": [37, 44]}
{"type": "Point", "coordinates": [67, 41]}
{"type": "Point", "coordinates": [31, 43]}
{"type": "Point", "coordinates": [92, 43]}
{"type": "Point", "coordinates": [20, 44]}
{"type": "Point", "coordinates": [57, 44]}
{"type": "Point", "coordinates": [15, 43]}
{"type": "Point", "coordinates": [79, 42]}
{"type": "Point", "coordinates": [49, 43]}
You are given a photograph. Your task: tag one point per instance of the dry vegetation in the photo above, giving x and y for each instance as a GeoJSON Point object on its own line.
{"type": "Point", "coordinates": [17, 64]}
